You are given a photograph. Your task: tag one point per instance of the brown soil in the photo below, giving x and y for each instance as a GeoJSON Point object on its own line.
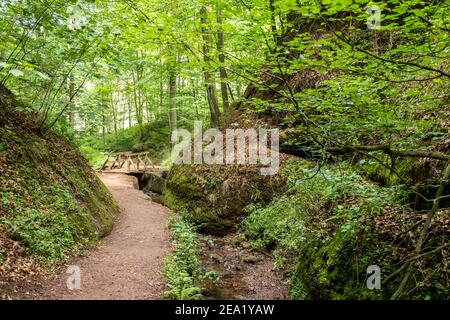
{"type": "Point", "coordinates": [127, 263]}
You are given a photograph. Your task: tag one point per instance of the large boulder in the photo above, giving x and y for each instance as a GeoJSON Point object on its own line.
{"type": "Point", "coordinates": [155, 182]}
{"type": "Point", "coordinates": [214, 196]}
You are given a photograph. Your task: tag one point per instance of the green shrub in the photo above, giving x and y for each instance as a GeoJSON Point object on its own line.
{"type": "Point", "coordinates": [52, 202]}
{"type": "Point", "coordinates": [54, 227]}
{"type": "Point", "coordinates": [47, 236]}
{"type": "Point", "coordinates": [181, 267]}
{"type": "Point", "coordinates": [153, 137]}
{"type": "Point", "coordinates": [321, 231]}
{"type": "Point", "coordinates": [94, 157]}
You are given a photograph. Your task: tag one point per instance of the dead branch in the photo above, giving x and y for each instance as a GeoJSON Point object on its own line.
{"type": "Point", "coordinates": [390, 151]}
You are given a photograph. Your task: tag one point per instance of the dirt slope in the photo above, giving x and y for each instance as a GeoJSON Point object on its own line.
{"type": "Point", "coordinates": [52, 204]}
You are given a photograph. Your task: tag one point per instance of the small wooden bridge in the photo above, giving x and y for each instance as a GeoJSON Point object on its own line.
{"type": "Point", "coordinates": [128, 162]}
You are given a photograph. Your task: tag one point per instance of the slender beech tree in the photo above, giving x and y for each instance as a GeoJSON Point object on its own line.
{"type": "Point", "coordinates": [222, 70]}
{"type": "Point", "coordinates": [208, 77]}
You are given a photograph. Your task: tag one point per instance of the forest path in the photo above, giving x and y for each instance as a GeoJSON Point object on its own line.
{"type": "Point", "coordinates": [127, 263]}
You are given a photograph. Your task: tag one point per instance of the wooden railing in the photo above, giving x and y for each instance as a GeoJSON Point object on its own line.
{"type": "Point", "coordinates": [129, 161]}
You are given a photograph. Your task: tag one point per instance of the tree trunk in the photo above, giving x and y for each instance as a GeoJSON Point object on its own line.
{"type": "Point", "coordinates": [194, 96]}
{"type": "Point", "coordinates": [209, 80]}
{"type": "Point", "coordinates": [71, 102]}
{"type": "Point", "coordinates": [222, 70]}
{"type": "Point", "coordinates": [272, 18]}
{"type": "Point", "coordinates": [172, 96]}
{"type": "Point", "coordinates": [161, 89]}
{"type": "Point", "coordinates": [129, 110]}
{"type": "Point", "coordinates": [137, 100]}
{"type": "Point", "coordinates": [161, 97]}
{"type": "Point", "coordinates": [103, 122]}
{"type": "Point", "coordinates": [114, 112]}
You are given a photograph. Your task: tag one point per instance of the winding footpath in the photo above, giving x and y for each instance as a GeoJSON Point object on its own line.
{"type": "Point", "coordinates": [127, 263]}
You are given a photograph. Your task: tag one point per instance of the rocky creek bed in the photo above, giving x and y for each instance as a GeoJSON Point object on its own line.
{"type": "Point", "coordinates": [244, 274]}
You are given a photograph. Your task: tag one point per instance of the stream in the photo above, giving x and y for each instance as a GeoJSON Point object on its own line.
{"type": "Point", "coordinates": [244, 274]}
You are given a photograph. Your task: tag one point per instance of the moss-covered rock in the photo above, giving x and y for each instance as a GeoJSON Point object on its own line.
{"type": "Point", "coordinates": [154, 183]}
{"type": "Point", "coordinates": [213, 196]}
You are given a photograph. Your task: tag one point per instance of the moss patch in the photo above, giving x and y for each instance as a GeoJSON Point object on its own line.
{"type": "Point", "coordinates": [213, 196]}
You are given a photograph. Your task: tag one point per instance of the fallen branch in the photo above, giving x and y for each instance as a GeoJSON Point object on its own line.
{"type": "Point", "coordinates": [388, 150]}
{"type": "Point", "coordinates": [393, 274]}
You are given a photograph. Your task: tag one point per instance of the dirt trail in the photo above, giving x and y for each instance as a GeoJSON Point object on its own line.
{"type": "Point", "coordinates": [127, 263]}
